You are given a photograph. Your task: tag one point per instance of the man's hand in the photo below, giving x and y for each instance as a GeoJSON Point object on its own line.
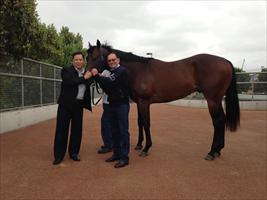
{"type": "Point", "coordinates": [94, 71]}
{"type": "Point", "coordinates": [87, 75]}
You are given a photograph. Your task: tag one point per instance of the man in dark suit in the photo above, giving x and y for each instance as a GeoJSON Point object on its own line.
{"type": "Point", "coordinates": [74, 96]}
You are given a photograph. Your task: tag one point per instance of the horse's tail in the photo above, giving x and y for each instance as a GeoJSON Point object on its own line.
{"type": "Point", "coordinates": [232, 105]}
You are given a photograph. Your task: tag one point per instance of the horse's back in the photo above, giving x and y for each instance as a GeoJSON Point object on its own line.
{"type": "Point", "coordinates": [209, 60]}
{"type": "Point", "coordinates": [196, 69]}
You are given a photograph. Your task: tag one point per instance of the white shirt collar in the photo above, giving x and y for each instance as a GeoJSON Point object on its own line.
{"type": "Point", "coordinates": [80, 70]}
{"type": "Point", "coordinates": [115, 67]}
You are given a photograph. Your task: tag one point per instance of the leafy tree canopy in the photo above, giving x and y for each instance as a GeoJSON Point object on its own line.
{"type": "Point", "coordinates": [23, 35]}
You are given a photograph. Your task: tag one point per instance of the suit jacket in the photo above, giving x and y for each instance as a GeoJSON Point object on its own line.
{"type": "Point", "coordinates": [69, 88]}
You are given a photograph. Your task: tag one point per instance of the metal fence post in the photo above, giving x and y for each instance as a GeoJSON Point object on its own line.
{"type": "Point", "coordinates": [54, 85]}
{"type": "Point", "coordinates": [252, 96]}
{"type": "Point", "coordinates": [41, 85]}
{"type": "Point", "coordinates": [22, 82]}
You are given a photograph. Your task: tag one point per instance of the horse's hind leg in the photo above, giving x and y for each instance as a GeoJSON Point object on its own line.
{"type": "Point", "coordinates": [218, 120]}
{"type": "Point", "coordinates": [143, 109]}
{"type": "Point", "coordinates": [139, 145]}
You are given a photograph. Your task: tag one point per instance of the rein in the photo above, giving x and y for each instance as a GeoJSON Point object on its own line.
{"type": "Point", "coordinates": [95, 86]}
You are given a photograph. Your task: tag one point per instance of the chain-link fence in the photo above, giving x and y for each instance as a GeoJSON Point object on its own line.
{"type": "Point", "coordinates": [252, 86]}
{"type": "Point", "coordinates": [27, 83]}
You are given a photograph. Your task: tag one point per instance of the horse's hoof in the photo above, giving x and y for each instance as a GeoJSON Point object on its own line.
{"type": "Point", "coordinates": [143, 154]}
{"type": "Point", "coordinates": [209, 157]}
{"type": "Point", "coordinates": [217, 154]}
{"type": "Point", "coordinates": [138, 147]}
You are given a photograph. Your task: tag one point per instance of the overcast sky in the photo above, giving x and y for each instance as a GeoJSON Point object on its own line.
{"type": "Point", "coordinates": [171, 30]}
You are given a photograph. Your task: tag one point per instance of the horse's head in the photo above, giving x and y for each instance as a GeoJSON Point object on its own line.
{"type": "Point", "coordinates": [97, 56]}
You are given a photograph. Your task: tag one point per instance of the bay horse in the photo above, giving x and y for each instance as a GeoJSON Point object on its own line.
{"type": "Point", "coordinates": [156, 81]}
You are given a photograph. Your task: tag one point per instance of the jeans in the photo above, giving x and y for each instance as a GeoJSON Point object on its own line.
{"type": "Point", "coordinates": [106, 126]}
{"type": "Point", "coordinates": [120, 130]}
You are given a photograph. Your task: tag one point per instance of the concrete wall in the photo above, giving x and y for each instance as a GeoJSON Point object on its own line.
{"type": "Point", "coordinates": [244, 105]}
{"type": "Point", "coordinates": [12, 120]}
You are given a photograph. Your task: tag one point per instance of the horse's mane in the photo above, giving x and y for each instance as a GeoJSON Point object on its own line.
{"type": "Point", "coordinates": [126, 56]}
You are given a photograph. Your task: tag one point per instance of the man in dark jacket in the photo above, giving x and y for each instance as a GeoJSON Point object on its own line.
{"type": "Point", "coordinates": [117, 88]}
{"type": "Point", "coordinates": [74, 96]}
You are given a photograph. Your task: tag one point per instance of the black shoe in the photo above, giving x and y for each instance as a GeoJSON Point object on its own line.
{"type": "Point", "coordinates": [104, 150]}
{"type": "Point", "coordinates": [121, 163]}
{"type": "Point", "coordinates": [75, 157]}
{"type": "Point", "coordinates": [57, 161]}
{"type": "Point", "coordinates": [112, 159]}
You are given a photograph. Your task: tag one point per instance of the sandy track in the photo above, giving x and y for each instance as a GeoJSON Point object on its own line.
{"type": "Point", "coordinates": [174, 169]}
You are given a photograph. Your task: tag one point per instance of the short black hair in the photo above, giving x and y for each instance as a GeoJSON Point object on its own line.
{"type": "Point", "coordinates": [112, 52]}
{"type": "Point", "coordinates": [77, 53]}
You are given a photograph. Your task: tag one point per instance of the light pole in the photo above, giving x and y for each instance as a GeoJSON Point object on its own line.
{"type": "Point", "coordinates": [149, 54]}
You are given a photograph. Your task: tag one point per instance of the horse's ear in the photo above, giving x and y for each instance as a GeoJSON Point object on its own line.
{"type": "Point", "coordinates": [89, 45]}
{"type": "Point", "coordinates": [98, 43]}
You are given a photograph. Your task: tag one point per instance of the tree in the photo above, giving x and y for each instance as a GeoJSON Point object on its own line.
{"type": "Point", "coordinates": [70, 43]}
{"type": "Point", "coordinates": [23, 35]}
{"type": "Point", "coordinates": [47, 47]}
{"type": "Point", "coordinates": [19, 22]}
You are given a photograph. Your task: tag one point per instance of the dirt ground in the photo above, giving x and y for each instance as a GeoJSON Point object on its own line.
{"type": "Point", "coordinates": [174, 169]}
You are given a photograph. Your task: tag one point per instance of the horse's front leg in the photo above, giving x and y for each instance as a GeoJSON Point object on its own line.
{"type": "Point", "coordinates": [145, 117]}
{"type": "Point", "coordinates": [139, 145]}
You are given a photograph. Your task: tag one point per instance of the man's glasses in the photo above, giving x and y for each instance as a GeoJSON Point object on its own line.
{"type": "Point", "coordinates": [112, 60]}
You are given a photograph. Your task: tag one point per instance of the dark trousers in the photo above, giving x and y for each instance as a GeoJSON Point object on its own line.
{"type": "Point", "coordinates": [65, 116]}
{"type": "Point", "coordinates": [120, 130]}
{"type": "Point", "coordinates": [106, 126]}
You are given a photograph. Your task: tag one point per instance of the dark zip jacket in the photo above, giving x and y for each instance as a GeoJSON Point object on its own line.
{"type": "Point", "coordinates": [116, 86]}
